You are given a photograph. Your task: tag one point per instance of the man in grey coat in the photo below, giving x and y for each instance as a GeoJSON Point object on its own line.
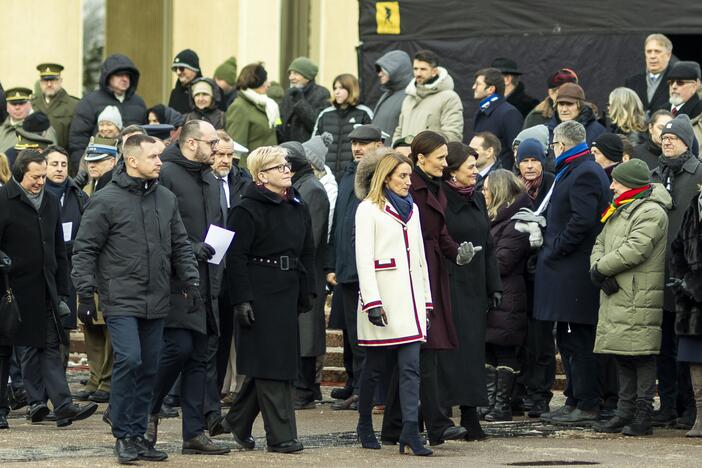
{"type": "Point", "coordinates": [681, 173]}
{"type": "Point", "coordinates": [394, 73]}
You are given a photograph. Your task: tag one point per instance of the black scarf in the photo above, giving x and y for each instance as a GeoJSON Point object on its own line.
{"type": "Point", "coordinates": [671, 167]}
{"type": "Point", "coordinates": [58, 190]}
{"type": "Point", "coordinates": [432, 182]}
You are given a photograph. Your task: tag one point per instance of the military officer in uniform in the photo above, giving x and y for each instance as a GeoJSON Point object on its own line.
{"type": "Point", "coordinates": [26, 140]}
{"type": "Point", "coordinates": [54, 101]}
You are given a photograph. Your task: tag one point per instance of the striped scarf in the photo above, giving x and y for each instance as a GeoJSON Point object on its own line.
{"type": "Point", "coordinates": [624, 199]}
{"type": "Point", "coordinates": [563, 161]}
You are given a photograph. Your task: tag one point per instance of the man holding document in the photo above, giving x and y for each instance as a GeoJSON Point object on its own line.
{"type": "Point", "coordinates": [190, 337]}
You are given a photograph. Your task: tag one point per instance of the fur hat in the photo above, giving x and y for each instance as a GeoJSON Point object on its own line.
{"type": "Point", "coordinates": [365, 170]}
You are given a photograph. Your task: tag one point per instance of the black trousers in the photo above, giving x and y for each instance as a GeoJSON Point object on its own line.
{"type": "Point", "coordinates": [637, 382]}
{"type": "Point", "coordinates": [576, 342]}
{"type": "Point", "coordinates": [306, 377]}
{"type": "Point", "coordinates": [608, 380]}
{"type": "Point", "coordinates": [183, 352]}
{"type": "Point", "coordinates": [271, 398]}
{"type": "Point", "coordinates": [674, 385]}
{"type": "Point", "coordinates": [507, 356]}
{"type": "Point", "coordinates": [226, 334]}
{"type": "Point", "coordinates": [539, 369]}
{"type": "Point", "coordinates": [212, 403]}
{"type": "Point", "coordinates": [5, 357]}
{"type": "Point", "coordinates": [408, 374]}
{"type": "Point", "coordinates": [43, 372]}
{"type": "Point", "coordinates": [349, 296]}
{"type": "Point", "coordinates": [432, 411]}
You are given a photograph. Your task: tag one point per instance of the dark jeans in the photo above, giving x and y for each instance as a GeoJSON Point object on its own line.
{"type": "Point", "coordinates": [576, 342]}
{"type": "Point", "coordinates": [503, 356]}
{"type": "Point", "coordinates": [433, 413]}
{"type": "Point", "coordinates": [349, 296]}
{"type": "Point", "coordinates": [43, 372]}
{"type": "Point", "coordinates": [183, 352]}
{"type": "Point", "coordinates": [408, 367]}
{"type": "Point", "coordinates": [539, 368]}
{"type": "Point", "coordinates": [637, 382]}
{"type": "Point", "coordinates": [136, 344]}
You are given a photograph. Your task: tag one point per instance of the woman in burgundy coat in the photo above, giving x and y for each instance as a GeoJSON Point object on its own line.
{"type": "Point", "coordinates": [429, 153]}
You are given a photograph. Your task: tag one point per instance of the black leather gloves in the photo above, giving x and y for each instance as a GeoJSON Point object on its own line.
{"type": "Point", "coordinates": [192, 296]}
{"type": "Point", "coordinates": [202, 251]}
{"type": "Point", "coordinates": [377, 317]}
{"type": "Point", "coordinates": [244, 314]}
{"type": "Point", "coordinates": [87, 310]}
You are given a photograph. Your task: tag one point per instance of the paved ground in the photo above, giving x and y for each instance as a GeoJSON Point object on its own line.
{"type": "Point", "coordinates": [329, 441]}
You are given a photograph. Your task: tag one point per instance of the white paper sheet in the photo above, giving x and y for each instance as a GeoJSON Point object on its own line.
{"type": "Point", "coordinates": [220, 239]}
{"type": "Point", "coordinates": [67, 231]}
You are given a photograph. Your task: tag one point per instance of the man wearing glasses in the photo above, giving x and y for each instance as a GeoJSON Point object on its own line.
{"type": "Point", "coordinates": [191, 334]}
{"type": "Point", "coordinates": [186, 66]}
{"type": "Point", "coordinates": [683, 83]}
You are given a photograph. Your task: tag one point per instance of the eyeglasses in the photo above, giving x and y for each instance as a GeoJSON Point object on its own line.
{"type": "Point", "coordinates": [680, 82]}
{"type": "Point", "coordinates": [178, 69]}
{"type": "Point", "coordinates": [213, 143]}
{"type": "Point", "coordinates": [281, 168]}
{"type": "Point", "coordinates": [670, 138]}
{"type": "Point", "coordinates": [551, 145]}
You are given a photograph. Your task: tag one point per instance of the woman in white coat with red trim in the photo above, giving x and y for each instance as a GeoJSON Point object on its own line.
{"type": "Point", "coordinates": [394, 290]}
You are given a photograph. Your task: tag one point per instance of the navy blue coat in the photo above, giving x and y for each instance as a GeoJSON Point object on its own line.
{"type": "Point", "coordinates": [341, 251]}
{"type": "Point", "coordinates": [563, 291]}
{"type": "Point", "coordinates": [505, 121]}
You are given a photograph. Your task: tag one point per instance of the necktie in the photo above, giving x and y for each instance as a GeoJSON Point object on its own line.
{"type": "Point", "coordinates": [224, 205]}
{"type": "Point", "coordinates": [674, 111]}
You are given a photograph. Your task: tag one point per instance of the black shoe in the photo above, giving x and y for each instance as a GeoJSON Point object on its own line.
{"type": "Point", "coordinates": [3, 421]}
{"type": "Point", "coordinates": [451, 433]}
{"type": "Point", "coordinates": [607, 413]}
{"type": "Point", "coordinates": [641, 424]}
{"type": "Point", "coordinates": [410, 437]}
{"type": "Point", "coordinates": [73, 412]}
{"type": "Point", "coordinates": [146, 450]}
{"type": "Point", "coordinates": [366, 435]}
{"type": "Point", "coordinates": [51, 417]}
{"type": "Point", "coordinates": [687, 419]}
{"type": "Point", "coordinates": [125, 451]}
{"type": "Point", "coordinates": [578, 417]}
{"type": "Point", "coordinates": [100, 396]}
{"type": "Point", "coordinates": [167, 412]}
{"type": "Point", "coordinates": [17, 398]}
{"type": "Point", "coordinates": [304, 404]}
{"type": "Point", "coordinates": [664, 417]}
{"type": "Point", "coordinates": [389, 440]}
{"type": "Point", "coordinates": [245, 442]}
{"type": "Point", "coordinates": [214, 424]}
{"type": "Point", "coordinates": [203, 445]}
{"type": "Point", "coordinates": [151, 434]}
{"type": "Point", "coordinates": [38, 411]}
{"type": "Point", "coordinates": [563, 410]}
{"type": "Point", "coordinates": [107, 416]}
{"type": "Point", "coordinates": [342, 393]}
{"type": "Point", "coordinates": [317, 393]}
{"type": "Point", "coordinates": [470, 421]}
{"type": "Point", "coordinates": [540, 407]}
{"type": "Point", "coordinates": [612, 426]}
{"type": "Point", "coordinates": [83, 395]}
{"type": "Point", "coordinates": [290, 446]}
{"type": "Point", "coordinates": [351, 403]}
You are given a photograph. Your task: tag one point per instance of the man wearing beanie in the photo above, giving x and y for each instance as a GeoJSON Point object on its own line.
{"type": "Point", "coordinates": [186, 66]}
{"type": "Point", "coordinates": [531, 157]}
{"type": "Point", "coordinates": [303, 101]}
{"type": "Point", "coordinates": [608, 150]}
{"type": "Point", "coordinates": [628, 266]}
{"type": "Point", "coordinates": [225, 77]}
{"type": "Point", "coordinates": [680, 172]}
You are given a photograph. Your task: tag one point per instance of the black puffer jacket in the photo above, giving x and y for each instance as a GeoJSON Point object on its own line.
{"type": "Point", "coordinates": [197, 192]}
{"type": "Point", "coordinates": [299, 111]}
{"type": "Point", "coordinates": [132, 108]}
{"type": "Point", "coordinates": [339, 122]}
{"type": "Point", "coordinates": [130, 238]}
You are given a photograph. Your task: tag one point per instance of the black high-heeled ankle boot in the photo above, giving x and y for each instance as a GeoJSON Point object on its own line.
{"type": "Point", "coordinates": [366, 434]}
{"type": "Point", "coordinates": [410, 437]}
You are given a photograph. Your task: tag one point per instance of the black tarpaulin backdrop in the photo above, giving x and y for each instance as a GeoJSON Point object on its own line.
{"type": "Point", "coordinates": [601, 40]}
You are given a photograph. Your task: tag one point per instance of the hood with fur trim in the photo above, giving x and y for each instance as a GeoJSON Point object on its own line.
{"type": "Point", "coordinates": [364, 173]}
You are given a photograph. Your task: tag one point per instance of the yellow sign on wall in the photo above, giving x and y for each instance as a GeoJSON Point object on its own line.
{"type": "Point", "coordinates": [387, 17]}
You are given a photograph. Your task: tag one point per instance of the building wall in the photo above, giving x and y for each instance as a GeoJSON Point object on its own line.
{"type": "Point", "coordinates": [29, 38]}
{"type": "Point", "coordinates": [333, 38]}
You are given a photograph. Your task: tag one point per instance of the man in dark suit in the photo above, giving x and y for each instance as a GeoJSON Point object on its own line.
{"type": "Point", "coordinates": [658, 51]}
{"type": "Point", "coordinates": [683, 83]}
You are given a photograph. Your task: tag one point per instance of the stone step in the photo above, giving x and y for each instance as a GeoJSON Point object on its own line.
{"type": "Point", "coordinates": [334, 357]}
{"type": "Point", "coordinates": [333, 376]}
{"type": "Point", "coordinates": [335, 339]}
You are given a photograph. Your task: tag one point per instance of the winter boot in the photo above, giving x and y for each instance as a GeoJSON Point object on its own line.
{"type": "Point", "coordinates": [491, 379]}
{"type": "Point", "coordinates": [696, 377]}
{"type": "Point", "coordinates": [410, 437]}
{"type": "Point", "coordinates": [366, 434]}
{"type": "Point", "coordinates": [502, 411]}
{"type": "Point", "coordinates": [469, 420]}
{"type": "Point", "coordinates": [642, 423]}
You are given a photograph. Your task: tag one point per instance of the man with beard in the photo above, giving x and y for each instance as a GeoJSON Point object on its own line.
{"type": "Point", "coordinates": [683, 83]}
{"type": "Point", "coordinates": [54, 101]}
{"type": "Point", "coordinates": [191, 334]}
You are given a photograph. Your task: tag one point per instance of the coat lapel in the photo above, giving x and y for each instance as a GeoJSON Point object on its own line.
{"type": "Point", "coordinates": [390, 210]}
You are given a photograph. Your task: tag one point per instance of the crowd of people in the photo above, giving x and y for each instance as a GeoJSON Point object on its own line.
{"type": "Point", "coordinates": [458, 262]}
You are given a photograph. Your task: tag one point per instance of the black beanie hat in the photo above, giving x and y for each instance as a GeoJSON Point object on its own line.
{"type": "Point", "coordinates": [36, 122]}
{"type": "Point", "coordinates": [610, 145]}
{"type": "Point", "coordinates": [187, 58]}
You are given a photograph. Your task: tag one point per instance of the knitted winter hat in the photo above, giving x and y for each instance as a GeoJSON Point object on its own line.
{"type": "Point", "coordinates": [610, 145]}
{"type": "Point", "coordinates": [36, 122]}
{"type": "Point", "coordinates": [111, 114]}
{"type": "Point", "coordinates": [296, 155]}
{"type": "Point", "coordinates": [633, 173]}
{"type": "Point", "coordinates": [531, 148]}
{"type": "Point", "coordinates": [227, 71]}
{"type": "Point", "coordinates": [539, 132]}
{"type": "Point", "coordinates": [187, 58]}
{"type": "Point", "coordinates": [201, 86]}
{"type": "Point", "coordinates": [304, 67]}
{"type": "Point", "coordinates": [316, 149]}
{"type": "Point", "coordinates": [681, 127]}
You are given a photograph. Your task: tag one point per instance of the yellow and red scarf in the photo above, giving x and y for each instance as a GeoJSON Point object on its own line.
{"type": "Point", "coordinates": [624, 199]}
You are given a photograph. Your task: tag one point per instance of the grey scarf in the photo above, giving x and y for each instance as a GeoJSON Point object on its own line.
{"type": "Point", "coordinates": [34, 198]}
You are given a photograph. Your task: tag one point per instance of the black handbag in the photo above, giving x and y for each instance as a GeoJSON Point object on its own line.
{"type": "Point", "coordinates": [10, 317]}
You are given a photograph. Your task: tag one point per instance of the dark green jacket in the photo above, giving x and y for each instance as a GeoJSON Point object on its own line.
{"type": "Point", "coordinates": [60, 112]}
{"type": "Point", "coordinates": [248, 125]}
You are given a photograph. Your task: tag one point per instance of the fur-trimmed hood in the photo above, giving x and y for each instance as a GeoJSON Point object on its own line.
{"type": "Point", "coordinates": [364, 173]}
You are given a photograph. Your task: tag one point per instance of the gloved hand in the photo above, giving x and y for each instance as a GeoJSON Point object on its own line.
{"type": "Point", "coordinates": [596, 277]}
{"type": "Point", "coordinates": [495, 300]}
{"type": "Point", "coordinates": [193, 297]}
{"type": "Point", "coordinates": [87, 310]}
{"type": "Point", "coordinates": [536, 237]}
{"type": "Point", "coordinates": [527, 215]}
{"type": "Point", "coordinates": [244, 314]}
{"type": "Point", "coordinates": [676, 284]}
{"type": "Point", "coordinates": [377, 317]}
{"type": "Point", "coordinates": [610, 286]}
{"type": "Point", "coordinates": [466, 252]}
{"type": "Point", "coordinates": [305, 305]}
{"type": "Point", "coordinates": [203, 251]}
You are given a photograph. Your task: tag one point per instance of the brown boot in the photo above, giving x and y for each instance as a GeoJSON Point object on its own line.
{"type": "Point", "coordinates": [696, 377]}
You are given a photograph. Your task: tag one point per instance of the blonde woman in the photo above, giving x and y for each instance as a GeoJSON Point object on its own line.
{"type": "Point", "coordinates": [394, 291]}
{"type": "Point", "coordinates": [626, 115]}
{"type": "Point", "coordinates": [5, 172]}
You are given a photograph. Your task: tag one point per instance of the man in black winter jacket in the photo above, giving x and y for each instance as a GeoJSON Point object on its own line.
{"type": "Point", "coordinates": [130, 239]}
{"type": "Point", "coordinates": [191, 336]}
{"type": "Point", "coordinates": [119, 79]}
{"type": "Point", "coordinates": [303, 102]}
{"type": "Point", "coordinates": [186, 66]}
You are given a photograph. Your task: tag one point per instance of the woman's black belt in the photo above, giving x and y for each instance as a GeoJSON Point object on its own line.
{"type": "Point", "coordinates": [283, 262]}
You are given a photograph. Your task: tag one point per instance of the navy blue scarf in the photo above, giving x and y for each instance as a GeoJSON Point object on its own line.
{"type": "Point", "coordinates": [403, 205]}
{"type": "Point", "coordinates": [58, 190]}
